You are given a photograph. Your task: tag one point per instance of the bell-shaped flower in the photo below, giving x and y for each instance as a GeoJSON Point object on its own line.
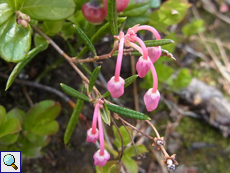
{"type": "Point", "coordinates": [92, 137]}
{"type": "Point", "coordinates": [100, 160]}
{"type": "Point", "coordinates": [154, 53]}
{"type": "Point", "coordinates": [116, 88]}
{"type": "Point", "coordinates": [143, 66]}
{"type": "Point", "coordinates": [151, 99]}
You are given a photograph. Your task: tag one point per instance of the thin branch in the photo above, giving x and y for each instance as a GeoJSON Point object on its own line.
{"type": "Point", "coordinates": [155, 130]}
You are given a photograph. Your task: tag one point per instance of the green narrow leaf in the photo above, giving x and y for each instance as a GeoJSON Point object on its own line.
{"type": "Point", "coordinates": [73, 120]}
{"type": "Point", "coordinates": [5, 12]}
{"type": "Point", "coordinates": [128, 81]}
{"type": "Point", "coordinates": [134, 53]}
{"type": "Point", "coordinates": [74, 93]}
{"type": "Point", "coordinates": [105, 114]}
{"type": "Point", "coordinates": [15, 41]}
{"type": "Point", "coordinates": [48, 10]}
{"type": "Point", "coordinates": [2, 115]}
{"type": "Point", "coordinates": [93, 78]}
{"type": "Point", "coordinates": [112, 16]}
{"type": "Point", "coordinates": [10, 126]}
{"type": "Point", "coordinates": [17, 69]}
{"type": "Point", "coordinates": [128, 112]}
{"type": "Point", "coordinates": [46, 129]}
{"type": "Point", "coordinates": [85, 39]}
{"type": "Point", "coordinates": [161, 42]}
{"type": "Point", "coordinates": [105, 29]}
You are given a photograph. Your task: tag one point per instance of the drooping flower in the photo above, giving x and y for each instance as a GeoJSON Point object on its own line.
{"type": "Point", "coordinates": [93, 133]}
{"type": "Point", "coordinates": [101, 156]}
{"type": "Point", "coordinates": [154, 53]}
{"type": "Point", "coordinates": [116, 83]}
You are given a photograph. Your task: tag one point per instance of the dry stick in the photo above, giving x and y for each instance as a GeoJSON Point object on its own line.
{"type": "Point", "coordinates": [150, 137]}
{"type": "Point", "coordinates": [27, 96]}
{"type": "Point", "coordinates": [49, 89]}
{"type": "Point", "coordinates": [122, 144]}
{"type": "Point", "coordinates": [222, 52]}
{"type": "Point", "coordinates": [213, 55]}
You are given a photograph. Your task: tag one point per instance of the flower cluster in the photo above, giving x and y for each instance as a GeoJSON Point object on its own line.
{"type": "Point", "coordinates": [144, 64]}
{"type": "Point", "coordinates": [93, 134]}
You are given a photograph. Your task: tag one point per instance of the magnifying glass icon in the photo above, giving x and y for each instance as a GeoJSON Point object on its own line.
{"type": "Point", "coordinates": [9, 160]}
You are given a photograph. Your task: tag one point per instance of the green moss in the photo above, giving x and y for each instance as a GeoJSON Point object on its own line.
{"type": "Point", "coordinates": [211, 158]}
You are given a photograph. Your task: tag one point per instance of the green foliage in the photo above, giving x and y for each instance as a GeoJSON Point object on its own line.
{"type": "Point", "coordinates": [15, 41]}
{"type": "Point", "coordinates": [105, 114]}
{"type": "Point", "coordinates": [155, 3]}
{"type": "Point", "coordinates": [17, 69]}
{"type": "Point", "coordinates": [48, 10]}
{"type": "Point", "coordinates": [51, 28]}
{"type": "Point", "coordinates": [170, 12]}
{"type": "Point", "coordinates": [128, 112]}
{"type": "Point", "coordinates": [27, 132]}
{"type": "Point", "coordinates": [194, 27]}
{"type": "Point", "coordinates": [136, 9]}
{"type": "Point", "coordinates": [112, 16]}
{"type": "Point", "coordinates": [73, 120]}
{"type": "Point", "coordinates": [93, 78]}
{"type": "Point", "coordinates": [125, 136]}
{"type": "Point", "coordinates": [5, 12]}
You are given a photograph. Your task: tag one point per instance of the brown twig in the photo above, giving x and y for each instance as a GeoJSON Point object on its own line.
{"type": "Point", "coordinates": [27, 96]}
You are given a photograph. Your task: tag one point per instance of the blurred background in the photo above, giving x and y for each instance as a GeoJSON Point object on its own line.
{"type": "Point", "coordinates": [194, 111]}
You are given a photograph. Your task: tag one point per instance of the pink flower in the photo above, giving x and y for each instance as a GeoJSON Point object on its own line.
{"type": "Point", "coordinates": [151, 99]}
{"type": "Point", "coordinates": [143, 66]}
{"type": "Point", "coordinates": [92, 137]}
{"type": "Point", "coordinates": [100, 160]}
{"type": "Point", "coordinates": [116, 88]}
{"type": "Point", "coordinates": [154, 53]}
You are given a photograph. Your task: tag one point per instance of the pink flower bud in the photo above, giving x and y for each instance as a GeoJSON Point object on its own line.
{"type": "Point", "coordinates": [116, 88]}
{"type": "Point", "coordinates": [100, 160]}
{"type": "Point", "coordinates": [143, 66]}
{"type": "Point", "coordinates": [92, 137]}
{"type": "Point", "coordinates": [151, 99]}
{"type": "Point", "coordinates": [154, 53]}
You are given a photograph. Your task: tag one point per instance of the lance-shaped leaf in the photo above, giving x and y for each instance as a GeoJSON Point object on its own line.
{"type": "Point", "coordinates": [73, 120]}
{"type": "Point", "coordinates": [127, 112]}
{"type": "Point", "coordinates": [128, 81]}
{"type": "Point", "coordinates": [48, 10]}
{"type": "Point", "coordinates": [136, 9]}
{"type": "Point", "coordinates": [15, 41]}
{"type": "Point", "coordinates": [105, 29]}
{"type": "Point", "coordinates": [74, 93]}
{"type": "Point", "coordinates": [161, 42]}
{"type": "Point", "coordinates": [112, 16]}
{"type": "Point", "coordinates": [93, 78]}
{"type": "Point", "coordinates": [85, 39]}
{"type": "Point", "coordinates": [105, 114]}
{"type": "Point", "coordinates": [133, 53]}
{"type": "Point", "coordinates": [5, 12]}
{"type": "Point", "coordinates": [17, 69]}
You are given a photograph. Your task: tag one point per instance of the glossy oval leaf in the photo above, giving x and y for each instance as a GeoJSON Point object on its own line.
{"type": "Point", "coordinates": [48, 9]}
{"type": "Point", "coordinates": [125, 136]}
{"type": "Point", "coordinates": [85, 39]}
{"type": "Point", "coordinates": [93, 78]}
{"type": "Point", "coordinates": [10, 126]}
{"type": "Point", "coordinates": [127, 112]}
{"type": "Point", "coordinates": [130, 164]}
{"type": "Point", "coordinates": [17, 69]}
{"type": "Point", "coordinates": [128, 81]}
{"type": "Point", "coordinates": [136, 9]}
{"type": "Point", "coordinates": [131, 152]}
{"type": "Point", "coordinates": [9, 139]}
{"type": "Point", "coordinates": [51, 28]}
{"type": "Point", "coordinates": [105, 114]}
{"type": "Point", "coordinates": [73, 120]}
{"type": "Point", "coordinates": [15, 41]}
{"type": "Point", "coordinates": [5, 12]}
{"type": "Point", "coordinates": [2, 115]}
{"type": "Point", "coordinates": [15, 4]}
{"type": "Point", "coordinates": [112, 16]}
{"type": "Point", "coordinates": [46, 129]}
{"type": "Point", "coordinates": [105, 29]}
{"type": "Point", "coordinates": [74, 93]}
